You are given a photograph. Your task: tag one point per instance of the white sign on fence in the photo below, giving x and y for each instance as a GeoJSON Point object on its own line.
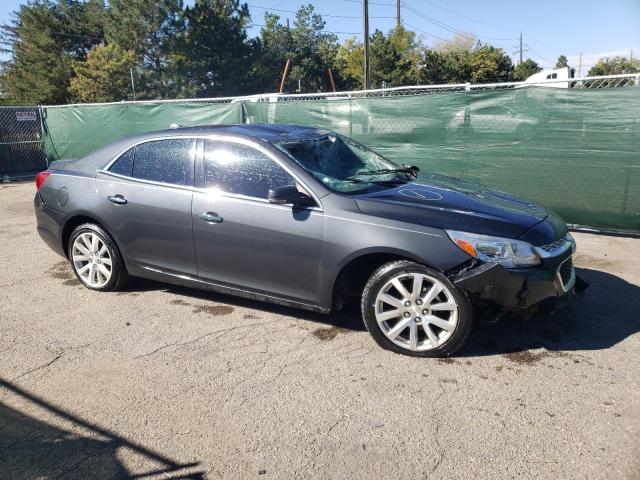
{"type": "Point", "coordinates": [26, 116]}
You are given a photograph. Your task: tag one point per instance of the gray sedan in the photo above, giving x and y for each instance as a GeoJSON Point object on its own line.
{"type": "Point", "coordinates": [306, 218]}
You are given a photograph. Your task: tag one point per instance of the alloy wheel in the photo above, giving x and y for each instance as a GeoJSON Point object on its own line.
{"type": "Point", "coordinates": [416, 311]}
{"type": "Point", "coordinates": [92, 260]}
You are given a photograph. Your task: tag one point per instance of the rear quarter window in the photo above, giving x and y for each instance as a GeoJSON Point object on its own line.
{"type": "Point", "coordinates": [124, 164]}
{"type": "Point", "coordinates": [166, 161]}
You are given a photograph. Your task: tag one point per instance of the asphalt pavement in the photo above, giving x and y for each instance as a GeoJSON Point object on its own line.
{"type": "Point", "coordinates": [165, 382]}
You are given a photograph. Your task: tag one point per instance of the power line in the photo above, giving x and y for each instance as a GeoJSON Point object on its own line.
{"type": "Point", "coordinates": [324, 31]}
{"type": "Point", "coordinates": [373, 3]}
{"type": "Point", "coordinates": [453, 29]}
{"type": "Point", "coordinates": [538, 55]}
{"type": "Point", "coordinates": [426, 33]}
{"type": "Point", "coordinates": [322, 14]}
{"type": "Point", "coordinates": [470, 18]}
{"type": "Point", "coordinates": [447, 27]}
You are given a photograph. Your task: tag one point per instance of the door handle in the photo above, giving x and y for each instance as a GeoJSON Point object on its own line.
{"type": "Point", "coordinates": [210, 217]}
{"type": "Point", "coordinates": [117, 199]}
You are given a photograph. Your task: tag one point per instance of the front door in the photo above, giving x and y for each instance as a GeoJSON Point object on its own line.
{"type": "Point", "coordinates": [241, 239]}
{"type": "Point", "coordinates": [145, 198]}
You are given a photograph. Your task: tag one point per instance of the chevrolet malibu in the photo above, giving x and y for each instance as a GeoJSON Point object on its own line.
{"type": "Point", "coordinates": [306, 218]}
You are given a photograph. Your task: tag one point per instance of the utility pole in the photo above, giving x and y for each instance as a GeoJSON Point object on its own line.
{"type": "Point", "coordinates": [580, 66]}
{"type": "Point", "coordinates": [365, 15]}
{"type": "Point", "coordinates": [133, 85]}
{"type": "Point", "coordinates": [398, 13]}
{"type": "Point", "coordinates": [520, 47]}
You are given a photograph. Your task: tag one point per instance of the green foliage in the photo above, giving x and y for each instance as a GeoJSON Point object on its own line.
{"type": "Point", "coordinates": [104, 76]}
{"type": "Point", "coordinates": [350, 62]}
{"type": "Point", "coordinates": [311, 51]}
{"type": "Point", "coordinates": [562, 62]}
{"type": "Point", "coordinates": [445, 66]}
{"type": "Point", "coordinates": [152, 29]}
{"type": "Point", "coordinates": [457, 62]}
{"type": "Point", "coordinates": [615, 66]}
{"type": "Point", "coordinates": [489, 64]}
{"type": "Point", "coordinates": [524, 70]}
{"type": "Point", "coordinates": [44, 38]}
{"type": "Point", "coordinates": [395, 59]}
{"type": "Point", "coordinates": [213, 56]}
{"type": "Point", "coordinates": [82, 50]}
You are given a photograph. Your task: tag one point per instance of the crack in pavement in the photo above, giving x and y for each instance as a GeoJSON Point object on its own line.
{"type": "Point", "coordinates": [197, 339]}
{"type": "Point", "coordinates": [436, 416]}
{"type": "Point", "coordinates": [37, 368]}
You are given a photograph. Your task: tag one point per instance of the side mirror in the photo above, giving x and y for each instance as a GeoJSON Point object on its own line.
{"type": "Point", "coordinates": [289, 194]}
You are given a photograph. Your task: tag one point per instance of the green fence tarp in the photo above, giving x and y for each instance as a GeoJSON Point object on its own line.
{"type": "Point", "coordinates": [73, 131]}
{"type": "Point", "coordinates": [575, 151]}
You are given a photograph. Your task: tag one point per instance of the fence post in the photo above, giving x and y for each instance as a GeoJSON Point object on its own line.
{"type": "Point", "coordinates": [637, 80]}
{"type": "Point", "coordinates": [41, 115]}
{"type": "Point", "coordinates": [467, 87]}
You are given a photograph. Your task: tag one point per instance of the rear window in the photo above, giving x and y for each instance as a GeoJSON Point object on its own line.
{"type": "Point", "coordinates": [124, 164]}
{"type": "Point", "coordinates": [166, 161]}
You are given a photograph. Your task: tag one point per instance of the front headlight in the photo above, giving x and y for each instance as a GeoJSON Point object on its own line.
{"type": "Point", "coordinates": [505, 251]}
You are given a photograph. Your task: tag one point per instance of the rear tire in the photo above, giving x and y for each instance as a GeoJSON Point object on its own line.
{"type": "Point", "coordinates": [411, 309]}
{"type": "Point", "coordinates": [96, 259]}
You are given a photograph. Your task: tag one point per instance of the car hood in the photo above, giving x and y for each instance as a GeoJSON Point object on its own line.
{"type": "Point", "coordinates": [453, 204]}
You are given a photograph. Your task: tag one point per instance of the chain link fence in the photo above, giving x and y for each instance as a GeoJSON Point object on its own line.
{"type": "Point", "coordinates": [570, 143]}
{"type": "Point", "coordinates": [586, 83]}
{"type": "Point", "coordinates": [21, 152]}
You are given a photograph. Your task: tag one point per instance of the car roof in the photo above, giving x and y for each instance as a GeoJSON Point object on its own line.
{"type": "Point", "coordinates": [267, 132]}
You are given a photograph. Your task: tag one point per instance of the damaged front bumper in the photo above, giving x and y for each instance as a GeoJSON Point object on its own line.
{"type": "Point", "coordinates": [545, 288]}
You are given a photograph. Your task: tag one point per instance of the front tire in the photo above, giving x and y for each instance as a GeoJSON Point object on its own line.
{"type": "Point", "coordinates": [95, 259]}
{"type": "Point", "coordinates": [414, 310]}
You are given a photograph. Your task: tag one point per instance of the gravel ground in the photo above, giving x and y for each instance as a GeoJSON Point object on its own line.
{"type": "Point", "coordinates": [167, 382]}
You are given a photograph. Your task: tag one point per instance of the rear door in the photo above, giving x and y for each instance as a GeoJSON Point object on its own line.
{"type": "Point", "coordinates": [145, 198]}
{"type": "Point", "coordinates": [240, 238]}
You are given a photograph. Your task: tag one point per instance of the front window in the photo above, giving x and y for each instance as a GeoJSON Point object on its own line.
{"type": "Point", "coordinates": [343, 165]}
{"type": "Point", "coordinates": [241, 169]}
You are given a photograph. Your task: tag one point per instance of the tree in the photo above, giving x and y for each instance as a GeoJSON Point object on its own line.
{"type": "Point", "coordinates": [525, 69]}
{"type": "Point", "coordinates": [395, 59]}
{"type": "Point", "coordinates": [310, 49]}
{"type": "Point", "coordinates": [615, 66]}
{"type": "Point", "coordinates": [152, 29]}
{"type": "Point", "coordinates": [215, 55]}
{"type": "Point", "coordinates": [562, 62]}
{"type": "Point", "coordinates": [44, 38]}
{"type": "Point", "coordinates": [104, 76]}
{"type": "Point", "coordinates": [401, 64]}
{"type": "Point", "coordinates": [459, 43]}
{"type": "Point", "coordinates": [350, 63]}
{"type": "Point", "coordinates": [489, 64]}
{"type": "Point", "coordinates": [271, 51]}
{"type": "Point", "coordinates": [315, 50]}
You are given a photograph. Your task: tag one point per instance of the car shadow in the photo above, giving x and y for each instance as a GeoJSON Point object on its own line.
{"type": "Point", "coordinates": [74, 448]}
{"type": "Point", "coordinates": [605, 314]}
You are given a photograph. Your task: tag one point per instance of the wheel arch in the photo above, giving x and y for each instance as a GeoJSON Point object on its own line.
{"type": "Point", "coordinates": [75, 221]}
{"type": "Point", "coordinates": [355, 270]}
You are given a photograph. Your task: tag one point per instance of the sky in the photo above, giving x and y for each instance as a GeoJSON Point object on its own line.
{"type": "Point", "coordinates": [594, 28]}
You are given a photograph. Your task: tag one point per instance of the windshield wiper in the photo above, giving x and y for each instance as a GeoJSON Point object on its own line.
{"type": "Point", "coordinates": [412, 171]}
{"type": "Point", "coordinates": [375, 182]}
